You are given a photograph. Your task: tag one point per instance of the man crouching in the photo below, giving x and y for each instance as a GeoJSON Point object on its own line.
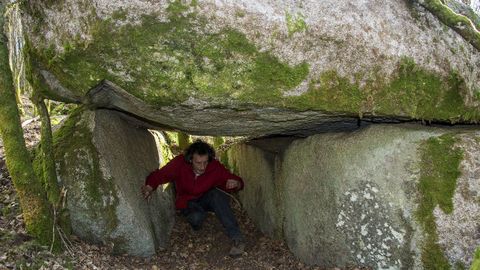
{"type": "Point", "coordinates": [197, 175]}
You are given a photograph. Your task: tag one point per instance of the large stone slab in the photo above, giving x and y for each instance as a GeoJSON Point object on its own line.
{"type": "Point", "coordinates": [254, 67]}
{"type": "Point", "coordinates": [366, 198]}
{"type": "Point", "coordinates": [102, 160]}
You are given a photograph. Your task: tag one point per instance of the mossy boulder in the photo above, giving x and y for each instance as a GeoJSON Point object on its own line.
{"type": "Point", "coordinates": [102, 161]}
{"type": "Point", "coordinates": [243, 67]}
{"type": "Point", "coordinates": [383, 196]}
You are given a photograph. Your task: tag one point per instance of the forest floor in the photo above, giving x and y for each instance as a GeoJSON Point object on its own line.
{"type": "Point", "coordinates": [205, 249]}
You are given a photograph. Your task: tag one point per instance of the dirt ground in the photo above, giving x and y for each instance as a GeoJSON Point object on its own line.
{"type": "Point", "coordinates": [204, 249]}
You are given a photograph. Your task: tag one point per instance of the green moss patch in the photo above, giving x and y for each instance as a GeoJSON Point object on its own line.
{"type": "Point", "coordinates": [331, 92]}
{"type": "Point", "coordinates": [422, 94]}
{"type": "Point", "coordinates": [295, 23]}
{"type": "Point", "coordinates": [184, 140]}
{"type": "Point", "coordinates": [413, 92]}
{"type": "Point", "coordinates": [476, 260]}
{"type": "Point", "coordinates": [439, 173]}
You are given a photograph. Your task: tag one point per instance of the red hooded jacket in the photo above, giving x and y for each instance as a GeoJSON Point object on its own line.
{"type": "Point", "coordinates": [187, 186]}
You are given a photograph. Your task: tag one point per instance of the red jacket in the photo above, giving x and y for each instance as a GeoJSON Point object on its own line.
{"type": "Point", "coordinates": [188, 186]}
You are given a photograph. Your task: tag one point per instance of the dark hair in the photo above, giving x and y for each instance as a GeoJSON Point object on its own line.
{"type": "Point", "coordinates": [201, 148]}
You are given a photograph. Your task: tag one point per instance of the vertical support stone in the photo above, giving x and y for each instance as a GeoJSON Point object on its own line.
{"type": "Point", "coordinates": [351, 198]}
{"type": "Point", "coordinates": [103, 162]}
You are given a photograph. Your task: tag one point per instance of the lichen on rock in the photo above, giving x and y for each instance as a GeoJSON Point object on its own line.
{"type": "Point", "coordinates": [365, 219]}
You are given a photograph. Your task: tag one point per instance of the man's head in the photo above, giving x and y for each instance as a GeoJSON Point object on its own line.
{"type": "Point", "coordinates": [199, 163]}
{"type": "Point", "coordinates": [199, 154]}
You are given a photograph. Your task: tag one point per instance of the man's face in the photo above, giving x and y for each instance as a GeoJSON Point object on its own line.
{"type": "Point", "coordinates": [199, 163]}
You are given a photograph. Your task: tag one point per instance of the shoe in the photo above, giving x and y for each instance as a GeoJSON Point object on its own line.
{"type": "Point", "coordinates": [238, 246]}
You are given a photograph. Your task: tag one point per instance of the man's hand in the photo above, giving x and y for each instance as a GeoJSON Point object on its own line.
{"type": "Point", "coordinates": [232, 184]}
{"type": "Point", "coordinates": [147, 191]}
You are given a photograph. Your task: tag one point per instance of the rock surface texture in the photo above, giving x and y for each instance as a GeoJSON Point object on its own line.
{"type": "Point", "coordinates": [103, 162]}
{"type": "Point", "coordinates": [254, 68]}
{"type": "Point", "coordinates": [381, 196]}
{"type": "Point", "coordinates": [357, 198]}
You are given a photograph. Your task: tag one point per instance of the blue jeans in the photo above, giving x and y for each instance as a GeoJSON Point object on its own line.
{"type": "Point", "coordinates": [215, 201]}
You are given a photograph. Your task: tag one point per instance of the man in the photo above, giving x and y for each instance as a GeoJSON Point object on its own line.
{"type": "Point", "coordinates": [197, 175]}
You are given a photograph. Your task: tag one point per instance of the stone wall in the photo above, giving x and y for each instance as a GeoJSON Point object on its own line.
{"type": "Point", "coordinates": [341, 199]}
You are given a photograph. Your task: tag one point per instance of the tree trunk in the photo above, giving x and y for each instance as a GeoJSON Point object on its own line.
{"type": "Point", "coordinates": [459, 23]}
{"type": "Point", "coordinates": [47, 160]}
{"type": "Point", "coordinates": [36, 209]}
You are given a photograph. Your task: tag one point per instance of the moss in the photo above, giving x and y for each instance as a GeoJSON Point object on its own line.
{"type": "Point", "coordinates": [473, 16]}
{"type": "Point", "coordinates": [240, 13]}
{"type": "Point", "coordinates": [476, 260]}
{"type": "Point", "coordinates": [420, 94]}
{"type": "Point", "coordinates": [476, 95]}
{"type": "Point", "coordinates": [295, 23]}
{"type": "Point", "coordinates": [166, 153]}
{"type": "Point", "coordinates": [183, 140]}
{"type": "Point", "coordinates": [459, 266]}
{"type": "Point", "coordinates": [218, 142]}
{"type": "Point", "coordinates": [221, 149]}
{"type": "Point", "coordinates": [331, 92]}
{"type": "Point", "coordinates": [34, 78]}
{"type": "Point", "coordinates": [48, 171]}
{"type": "Point", "coordinates": [44, 167]}
{"type": "Point", "coordinates": [271, 78]}
{"type": "Point", "coordinates": [77, 157]}
{"type": "Point", "coordinates": [412, 92]}
{"type": "Point", "coordinates": [120, 15]}
{"type": "Point", "coordinates": [171, 137]}
{"type": "Point", "coordinates": [227, 158]}
{"type": "Point", "coordinates": [439, 173]}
